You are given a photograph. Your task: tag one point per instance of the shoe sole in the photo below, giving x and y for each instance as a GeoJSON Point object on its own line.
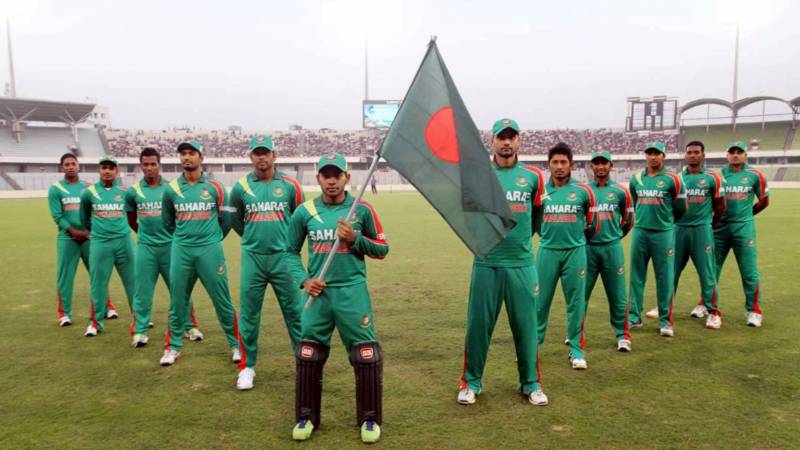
{"type": "Point", "coordinates": [465, 403]}
{"type": "Point", "coordinates": [243, 388]}
{"type": "Point", "coordinates": [667, 334]}
{"type": "Point", "coordinates": [139, 344]}
{"type": "Point", "coordinates": [623, 350]}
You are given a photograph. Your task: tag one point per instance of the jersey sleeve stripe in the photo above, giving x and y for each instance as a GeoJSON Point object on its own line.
{"type": "Point", "coordinates": [220, 192]}
{"type": "Point", "coordinates": [628, 205]}
{"type": "Point", "coordinates": [592, 206]}
{"type": "Point", "coordinates": [718, 188]}
{"type": "Point", "coordinates": [298, 192]}
{"type": "Point", "coordinates": [678, 187]}
{"type": "Point", "coordinates": [378, 226]}
{"type": "Point", "coordinates": [762, 181]}
{"type": "Point", "coordinates": [537, 200]}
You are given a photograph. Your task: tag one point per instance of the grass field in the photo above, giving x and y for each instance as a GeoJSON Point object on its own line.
{"type": "Point", "coordinates": [736, 387]}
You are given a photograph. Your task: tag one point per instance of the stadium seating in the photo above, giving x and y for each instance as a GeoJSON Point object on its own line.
{"type": "Point", "coordinates": [49, 141]}
{"type": "Point", "coordinates": [719, 136]}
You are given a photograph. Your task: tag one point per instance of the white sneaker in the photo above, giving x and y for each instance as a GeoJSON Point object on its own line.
{"type": "Point", "coordinates": [466, 397]}
{"type": "Point", "coordinates": [579, 363]}
{"type": "Point", "coordinates": [194, 334]}
{"type": "Point", "coordinates": [64, 321]}
{"type": "Point", "coordinates": [90, 331]}
{"type": "Point", "coordinates": [151, 325]}
{"type": "Point", "coordinates": [753, 319]}
{"type": "Point", "coordinates": [111, 314]}
{"type": "Point", "coordinates": [667, 331]}
{"type": "Point", "coordinates": [566, 341]}
{"type": "Point", "coordinates": [699, 311]}
{"type": "Point", "coordinates": [169, 358]}
{"type": "Point", "coordinates": [623, 345]}
{"type": "Point", "coordinates": [538, 398]}
{"type": "Point", "coordinates": [652, 314]}
{"type": "Point", "coordinates": [236, 355]}
{"type": "Point", "coordinates": [714, 321]}
{"type": "Point", "coordinates": [245, 381]}
{"type": "Point", "coordinates": [139, 340]}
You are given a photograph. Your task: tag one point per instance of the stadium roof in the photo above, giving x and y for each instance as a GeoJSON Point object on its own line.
{"type": "Point", "coordinates": [32, 110]}
{"type": "Point", "coordinates": [739, 104]}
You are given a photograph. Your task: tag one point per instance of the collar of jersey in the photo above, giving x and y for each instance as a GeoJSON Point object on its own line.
{"type": "Point", "coordinates": [161, 182]}
{"type": "Point", "coordinates": [252, 176]}
{"type": "Point", "coordinates": [571, 181]}
{"type": "Point", "coordinates": [348, 199]}
{"type": "Point", "coordinates": [609, 183]}
{"type": "Point", "coordinates": [702, 170]}
{"type": "Point", "coordinates": [203, 177]}
{"type": "Point", "coordinates": [660, 172]}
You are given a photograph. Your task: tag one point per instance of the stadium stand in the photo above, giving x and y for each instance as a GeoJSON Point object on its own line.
{"type": "Point", "coordinates": [50, 141]}
{"type": "Point", "coordinates": [775, 136]}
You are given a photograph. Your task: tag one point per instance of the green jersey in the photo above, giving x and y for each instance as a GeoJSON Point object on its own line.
{"type": "Point", "coordinates": [741, 189]}
{"type": "Point", "coordinates": [523, 186]}
{"type": "Point", "coordinates": [103, 211]}
{"type": "Point", "coordinates": [145, 201]}
{"type": "Point", "coordinates": [196, 214]}
{"type": "Point", "coordinates": [65, 205]}
{"type": "Point", "coordinates": [261, 211]}
{"type": "Point", "coordinates": [565, 212]}
{"type": "Point", "coordinates": [318, 221]}
{"type": "Point", "coordinates": [655, 199]}
{"type": "Point", "coordinates": [613, 212]}
{"type": "Point", "coordinates": [701, 190]}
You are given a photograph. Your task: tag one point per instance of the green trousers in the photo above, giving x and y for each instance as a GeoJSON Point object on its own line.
{"type": "Point", "coordinates": [697, 243]}
{"type": "Point", "coordinates": [488, 289]}
{"type": "Point", "coordinates": [259, 270]}
{"type": "Point", "coordinates": [608, 261]}
{"type": "Point", "coordinates": [104, 255]}
{"type": "Point", "coordinates": [206, 262]}
{"type": "Point", "coordinates": [660, 247]}
{"type": "Point", "coordinates": [68, 253]}
{"type": "Point", "coordinates": [741, 237]}
{"type": "Point", "coordinates": [570, 266]}
{"type": "Point", "coordinates": [347, 308]}
{"type": "Point", "coordinates": [152, 260]}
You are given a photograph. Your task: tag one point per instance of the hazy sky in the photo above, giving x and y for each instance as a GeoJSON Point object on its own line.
{"type": "Point", "coordinates": [268, 64]}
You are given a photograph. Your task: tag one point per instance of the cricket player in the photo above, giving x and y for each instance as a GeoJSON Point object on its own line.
{"type": "Point", "coordinates": [143, 208]}
{"type": "Point", "coordinates": [567, 221]}
{"type": "Point", "coordinates": [694, 234]}
{"type": "Point", "coordinates": [614, 218]}
{"type": "Point", "coordinates": [263, 202]}
{"type": "Point", "coordinates": [507, 275]}
{"type": "Point", "coordinates": [737, 231]}
{"type": "Point", "coordinates": [659, 199]}
{"type": "Point", "coordinates": [194, 211]}
{"type": "Point", "coordinates": [341, 299]}
{"type": "Point", "coordinates": [103, 214]}
{"type": "Point", "coordinates": [72, 243]}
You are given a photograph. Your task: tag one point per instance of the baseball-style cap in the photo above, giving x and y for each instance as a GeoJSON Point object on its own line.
{"type": "Point", "coordinates": [261, 141]}
{"type": "Point", "coordinates": [194, 144]}
{"type": "Point", "coordinates": [108, 159]}
{"type": "Point", "coordinates": [504, 123]}
{"type": "Point", "coordinates": [738, 144]}
{"type": "Point", "coordinates": [655, 145]}
{"type": "Point", "coordinates": [332, 159]}
{"type": "Point", "coordinates": [605, 154]}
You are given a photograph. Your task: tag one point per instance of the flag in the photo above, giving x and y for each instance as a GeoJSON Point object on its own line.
{"type": "Point", "coordinates": [435, 145]}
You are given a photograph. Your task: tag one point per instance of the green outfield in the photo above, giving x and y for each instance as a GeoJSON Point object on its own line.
{"type": "Point", "coordinates": [736, 387]}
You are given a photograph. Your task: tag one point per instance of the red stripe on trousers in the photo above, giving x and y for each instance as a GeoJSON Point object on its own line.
{"type": "Point", "coordinates": [243, 362]}
{"type": "Point", "coordinates": [756, 306]}
{"type": "Point", "coordinates": [463, 384]}
{"type": "Point", "coordinates": [60, 307]}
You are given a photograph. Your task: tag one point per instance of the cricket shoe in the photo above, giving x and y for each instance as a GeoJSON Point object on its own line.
{"type": "Point", "coordinates": [370, 432]}
{"type": "Point", "coordinates": [245, 381]}
{"type": "Point", "coordinates": [652, 314]}
{"type": "Point", "coordinates": [64, 321]}
{"type": "Point", "coordinates": [91, 331]}
{"type": "Point", "coordinates": [538, 398]}
{"type": "Point", "coordinates": [194, 334]}
{"type": "Point", "coordinates": [579, 363]}
{"type": "Point", "coordinates": [169, 358]}
{"type": "Point", "coordinates": [112, 314]}
{"type": "Point", "coordinates": [236, 355]}
{"type": "Point", "coordinates": [753, 319]}
{"type": "Point", "coordinates": [566, 341]}
{"type": "Point", "coordinates": [624, 345]}
{"type": "Point", "coordinates": [302, 430]}
{"type": "Point", "coordinates": [667, 331]}
{"type": "Point", "coordinates": [466, 396]}
{"type": "Point", "coordinates": [699, 311]}
{"type": "Point", "coordinates": [714, 321]}
{"type": "Point", "coordinates": [633, 325]}
{"type": "Point", "coordinates": [139, 340]}
{"type": "Point", "coordinates": [151, 325]}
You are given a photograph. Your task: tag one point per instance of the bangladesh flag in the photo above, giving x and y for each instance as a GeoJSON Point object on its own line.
{"type": "Point", "coordinates": [434, 143]}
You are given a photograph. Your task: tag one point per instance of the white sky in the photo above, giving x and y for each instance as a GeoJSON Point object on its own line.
{"type": "Point", "coordinates": [268, 64]}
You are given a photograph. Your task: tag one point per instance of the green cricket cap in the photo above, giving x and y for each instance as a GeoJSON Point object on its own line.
{"type": "Point", "coordinates": [108, 159]}
{"type": "Point", "coordinates": [194, 144]}
{"type": "Point", "coordinates": [738, 144]}
{"type": "Point", "coordinates": [332, 159]}
{"type": "Point", "coordinates": [504, 123]}
{"type": "Point", "coordinates": [261, 141]}
{"type": "Point", "coordinates": [655, 145]}
{"type": "Point", "coordinates": [605, 154]}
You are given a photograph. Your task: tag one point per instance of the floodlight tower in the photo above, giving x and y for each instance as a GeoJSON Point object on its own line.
{"type": "Point", "coordinates": [366, 71]}
{"type": "Point", "coordinates": [12, 86]}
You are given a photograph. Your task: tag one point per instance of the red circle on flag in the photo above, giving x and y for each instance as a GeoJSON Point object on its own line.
{"type": "Point", "coordinates": [440, 135]}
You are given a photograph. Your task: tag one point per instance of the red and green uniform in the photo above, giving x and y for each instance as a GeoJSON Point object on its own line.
{"type": "Point", "coordinates": [345, 302]}
{"type": "Point", "coordinates": [65, 203]}
{"type": "Point", "coordinates": [566, 211]}
{"type": "Point", "coordinates": [195, 214]}
{"type": "Point", "coordinates": [656, 200]}
{"type": "Point", "coordinates": [262, 213]}
{"type": "Point", "coordinates": [153, 251]}
{"type": "Point", "coordinates": [694, 237]}
{"type": "Point", "coordinates": [613, 215]}
{"type": "Point", "coordinates": [103, 214]}
{"type": "Point", "coordinates": [507, 274]}
{"type": "Point", "coordinates": [737, 230]}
